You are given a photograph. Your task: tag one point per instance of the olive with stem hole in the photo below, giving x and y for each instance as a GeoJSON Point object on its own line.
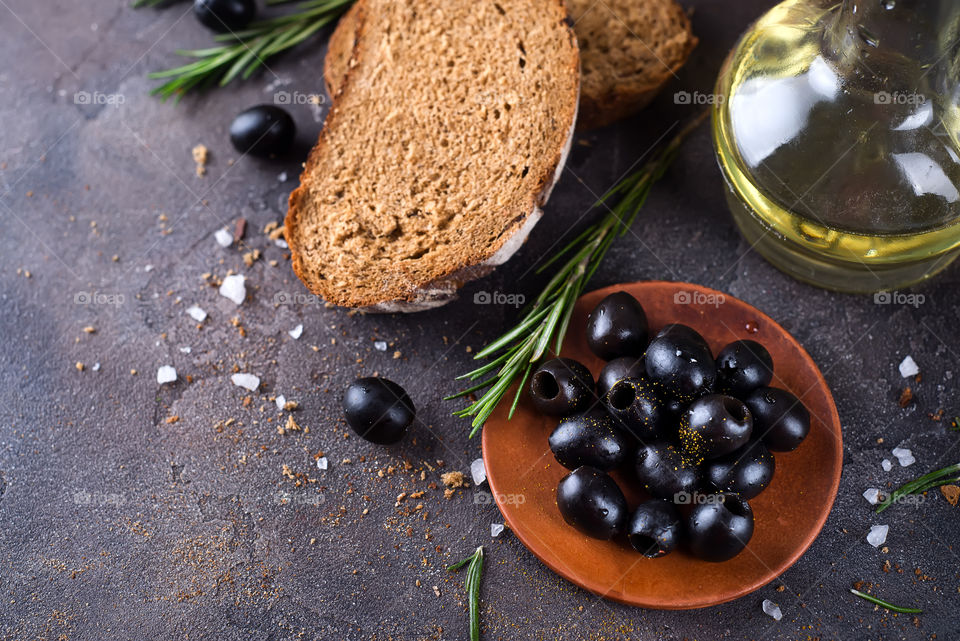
{"type": "Point", "coordinates": [591, 501]}
{"type": "Point", "coordinates": [619, 368]}
{"type": "Point", "coordinates": [617, 326]}
{"type": "Point", "coordinates": [655, 528]}
{"type": "Point", "coordinates": [561, 387]}
{"type": "Point", "coordinates": [715, 425]}
{"type": "Point", "coordinates": [634, 403]}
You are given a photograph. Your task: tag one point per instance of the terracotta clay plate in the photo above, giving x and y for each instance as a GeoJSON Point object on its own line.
{"type": "Point", "coordinates": [789, 514]}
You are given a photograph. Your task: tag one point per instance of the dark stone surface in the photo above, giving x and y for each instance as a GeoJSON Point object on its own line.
{"type": "Point", "coordinates": [119, 524]}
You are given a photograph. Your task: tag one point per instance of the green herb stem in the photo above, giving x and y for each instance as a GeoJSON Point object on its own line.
{"type": "Point", "coordinates": [544, 324]}
{"type": "Point", "coordinates": [245, 51]}
{"type": "Point", "coordinates": [474, 574]}
{"type": "Point", "coordinates": [884, 604]}
{"type": "Point", "coordinates": [949, 474]}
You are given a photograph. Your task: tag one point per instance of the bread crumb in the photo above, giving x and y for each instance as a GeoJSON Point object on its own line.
{"type": "Point", "coordinates": [200, 156]}
{"type": "Point", "coordinates": [133, 372]}
{"type": "Point", "coordinates": [951, 493]}
{"type": "Point", "coordinates": [80, 366]}
{"type": "Point", "coordinates": [90, 329]}
{"type": "Point", "coordinates": [172, 419]}
{"type": "Point", "coordinates": [292, 424]}
{"type": "Point", "coordinates": [396, 354]}
{"type": "Point", "coordinates": [251, 257]}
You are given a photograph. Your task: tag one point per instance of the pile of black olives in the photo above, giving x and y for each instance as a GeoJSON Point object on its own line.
{"type": "Point", "coordinates": [693, 431]}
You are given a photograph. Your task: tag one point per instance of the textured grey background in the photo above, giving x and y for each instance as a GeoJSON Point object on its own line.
{"type": "Point", "coordinates": [115, 524]}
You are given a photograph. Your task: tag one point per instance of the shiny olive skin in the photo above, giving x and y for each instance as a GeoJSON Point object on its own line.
{"type": "Point", "coordinates": [743, 366]}
{"type": "Point", "coordinates": [719, 527]}
{"type": "Point", "coordinates": [617, 326]}
{"type": "Point", "coordinates": [561, 387]}
{"type": "Point", "coordinates": [591, 501]}
{"type": "Point", "coordinates": [264, 130]}
{"type": "Point", "coordinates": [665, 473]}
{"type": "Point", "coordinates": [680, 360]}
{"type": "Point", "coordinates": [715, 425]}
{"type": "Point", "coordinates": [224, 16]}
{"type": "Point", "coordinates": [655, 528]}
{"type": "Point", "coordinates": [779, 417]}
{"type": "Point", "coordinates": [618, 368]}
{"type": "Point", "coordinates": [746, 472]}
{"type": "Point", "coordinates": [589, 439]}
{"type": "Point", "coordinates": [634, 404]}
{"type": "Point", "coordinates": [378, 410]}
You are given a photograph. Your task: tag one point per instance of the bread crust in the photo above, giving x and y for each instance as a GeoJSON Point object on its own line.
{"type": "Point", "coordinates": [440, 290]}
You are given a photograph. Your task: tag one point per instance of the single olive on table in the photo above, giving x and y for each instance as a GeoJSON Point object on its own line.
{"type": "Point", "coordinates": [264, 130]}
{"type": "Point", "coordinates": [692, 433]}
{"type": "Point", "coordinates": [378, 410]}
{"type": "Point", "coordinates": [224, 16]}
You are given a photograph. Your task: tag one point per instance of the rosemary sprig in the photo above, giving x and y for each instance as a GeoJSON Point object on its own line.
{"type": "Point", "coordinates": [884, 604]}
{"type": "Point", "coordinates": [949, 474]}
{"type": "Point", "coordinates": [474, 571]}
{"type": "Point", "coordinates": [514, 354]}
{"type": "Point", "coordinates": [243, 52]}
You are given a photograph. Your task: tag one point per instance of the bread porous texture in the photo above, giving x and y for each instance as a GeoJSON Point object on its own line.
{"type": "Point", "coordinates": [629, 49]}
{"type": "Point", "coordinates": [442, 144]}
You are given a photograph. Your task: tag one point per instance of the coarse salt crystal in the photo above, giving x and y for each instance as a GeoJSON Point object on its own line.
{"type": "Point", "coordinates": [380, 346]}
{"type": "Point", "coordinates": [281, 243]}
{"type": "Point", "coordinates": [282, 177]}
{"type": "Point", "coordinates": [296, 332]}
{"type": "Point", "coordinates": [196, 313]}
{"type": "Point", "coordinates": [772, 609]}
{"type": "Point", "coordinates": [496, 529]}
{"type": "Point", "coordinates": [96, 367]}
{"type": "Point", "coordinates": [246, 381]}
{"type": "Point", "coordinates": [322, 463]}
{"type": "Point", "coordinates": [886, 465]}
{"type": "Point", "coordinates": [878, 535]}
{"type": "Point", "coordinates": [478, 471]}
{"type": "Point", "coordinates": [186, 350]}
{"type": "Point", "coordinates": [909, 367]}
{"type": "Point", "coordinates": [233, 288]}
{"type": "Point", "coordinates": [223, 237]}
{"type": "Point", "coordinates": [904, 456]}
{"type": "Point", "coordinates": [872, 495]}
{"type": "Point", "coordinates": [281, 401]}
{"type": "Point", "coordinates": [148, 268]}
{"type": "Point", "coordinates": [166, 374]}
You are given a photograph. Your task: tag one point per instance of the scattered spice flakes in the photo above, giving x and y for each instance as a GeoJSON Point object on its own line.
{"type": "Point", "coordinates": [951, 493]}
{"type": "Point", "coordinates": [906, 396]}
{"type": "Point", "coordinates": [200, 156]}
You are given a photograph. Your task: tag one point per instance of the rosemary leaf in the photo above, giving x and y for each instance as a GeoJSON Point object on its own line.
{"type": "Point", "coordinates": [884, 604]}
{"type": "Point", "coordinates": [949, 474]}
{"type": "Point", "coordinates": [545, 322]}
{"type": "Point", "coordinates": [474, 573]}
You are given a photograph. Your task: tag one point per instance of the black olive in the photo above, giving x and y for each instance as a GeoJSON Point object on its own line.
{"type": "Point", "coordinates": [715, 425]}
{"type": "Point", "coordinates": [655, 528]}
{"type": "Point", "coordinates": [637, 408]}
{"type": "Point", "coordinates": [719, 526]}
{"type": "Point", "coordinates": [680, 360]}
{"type": "Point", "coordinates": [589, 439]}
{"type": "Point", "coordinates": [561, 386]}
{"type": "Point", "coordinates": [617, 326]}
{"type": "Point", "coordinates": [623, 367]}
{"type": "Point", "coordinates": [264, 130]}
{"type": "Point", "coordinates": [665, 473]}
{"type": "Point", "coordinates": [747, 472]}
{"type": "Point", "coordinates": [743, 366]}
{"type": "Point", "coordinates": [591, 501]}
{"type": "Point", "coordinates": [224, 15]}
{"type": "Point", "coordinates": [378, 410]}
{"type": "Point", "coordinates": [779, 418]}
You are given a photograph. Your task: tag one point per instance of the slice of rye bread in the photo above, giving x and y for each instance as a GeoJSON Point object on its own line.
{"type": "Point", "coordinates": [629, 49]}
{"type": "Point", "coordinates": [444, 142]}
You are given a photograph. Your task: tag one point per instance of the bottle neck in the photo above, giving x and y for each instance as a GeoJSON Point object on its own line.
{"type": "Point", "coordinates": [897, 41]}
